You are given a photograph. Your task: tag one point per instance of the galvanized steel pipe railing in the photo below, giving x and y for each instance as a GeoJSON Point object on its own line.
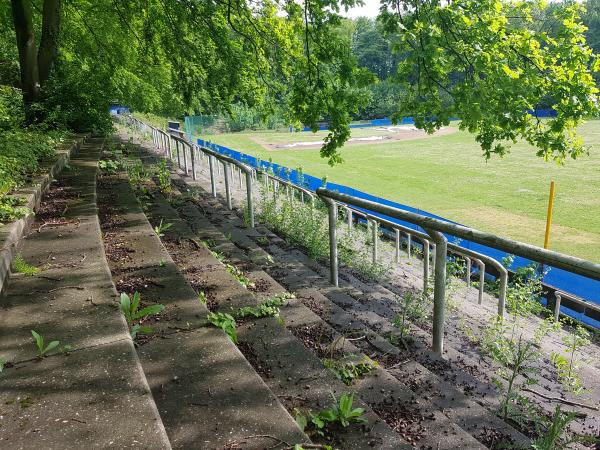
{"type": "Point", "coordinates": [435, 228]}
{"type": "Point", "coordinates": [276, 181]}
{"type": "Point", "coordinates": [228, 163]}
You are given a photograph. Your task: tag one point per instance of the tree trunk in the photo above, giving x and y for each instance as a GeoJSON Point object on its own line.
{"type": "Point", "coordinates": [49, 41]}
{"type": "Point", "coordinates": [21, 10]}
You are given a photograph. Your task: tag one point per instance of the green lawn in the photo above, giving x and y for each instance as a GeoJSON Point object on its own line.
{"type": "Point", "coordinates": [447, 175]}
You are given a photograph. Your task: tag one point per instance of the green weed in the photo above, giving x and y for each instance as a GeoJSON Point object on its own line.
{"type": "Point", "coordinates": [224, 321]}
{"type": "Point", "coordinates": [110, 165]}
{"type": "Point", "coordinates": [161, 228]}
{"type": "Point", "coordinates": [239, 275]}
{"type": "Point", "coordinates": [567, 366]}
{"type": "Point", "coordinates": [130, 309]}
{"type": "Point", "coordinates": [347, 371]}
{"type": "Point", "coordinates": [268, 308]}
{"type": "Point", "coordinates": [414, 309]}
{"type": "Point", "coordinates": [551, 440]}
{"type": "Point", "coordinates": [21, 266]}
{"type": "Point", "coordinates": [163, 175]}
{"type": "Point", "coordinates": [11, 209]}
{"type": "Point", "coordinates": [341, 412]}
{"type": "Point", "coordinates": [43, 349]}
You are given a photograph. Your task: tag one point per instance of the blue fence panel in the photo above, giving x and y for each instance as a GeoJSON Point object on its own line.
{"type": "Point", "coordinates": [576, 284]}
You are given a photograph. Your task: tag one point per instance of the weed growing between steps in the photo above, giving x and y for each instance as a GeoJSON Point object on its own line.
{"type": "Point", "coordinates": [227, 322]}
{"type": "Point", "coordinates": [306, 225]}
{"type": "Point", "coordinates": [20, 266]}
{"type": "Point", "coordinates": [568, 366]}
{"type": "Point", "coordinates": [323, 424]}
{"type": "Point", "coordinates": [130, 307]}
{"type": "Point", "coordinates": [349, 371]}
{"type": "Point", "coordinates": [42, 348]}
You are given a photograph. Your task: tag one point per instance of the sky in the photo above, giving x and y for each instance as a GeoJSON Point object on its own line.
{"type": "Point", "coordinates": [370, 9]}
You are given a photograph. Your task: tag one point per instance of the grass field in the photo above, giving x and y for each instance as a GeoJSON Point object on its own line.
{"type": "Point", "coordinates": [447, 175]}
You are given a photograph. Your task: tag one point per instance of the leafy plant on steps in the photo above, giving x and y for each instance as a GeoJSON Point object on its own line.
{"type": "Point", "coordinates": [2, 363]}
{"type": "Point", "coordinates": [341, 412]}
{"type": "Point", "coordinates": [268, 308]}
{"type": "Point", "coordinates": [567, 366]}
{"type": "Point", "coordinates": [21, 266]}
{"type": "Point", "coordinates": [239, 275]}
{"type": "Point", "coordinates": [43, 349]}
{"type": "Point", "coordinates": [11, 208]}
{"type": "Point", "coordinates": [109, 165]}
{"type": "Point", "coordinates": [163, 175]}
{"type": "Point", "coordinates": [414, 309]}
{"type": "Point", "coordinates": [516, 359]}
{"type": "Point", "coordinates": [552, 438]}
{"type": "Point", "coordinates": [130, 309]}
{"type": "Point", "coordinates": [224, 321]}
{"type": "Point", "coordinates": [161, 228]}
{"type": "Point", "coordinates": [347, 371]}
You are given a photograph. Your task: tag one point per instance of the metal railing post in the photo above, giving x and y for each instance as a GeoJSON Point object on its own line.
{"type": "Point", "coordinates": [468, 274]}
{"type": "Point", "coordinates": [433, 247]}
{"type": "Point", "coordinates": [408, 245]}
{"type": "Point", "coordinates": [397, 246]}
{"type": "Point", "coordinates": [178, 154]}
{"type": "Point", "coordinates": [374, 231]}
{"type": "Point", "coordinates": [439, 293]}
{"type": "Point", "coordinates": [481, 267]}
{"type": "Point", "coordinates": [226, 168]}
{"type": "Point", "coordinates": [333, 254]}
{"type": "Point", "coordinates": [502, 293]}
{"type": "Point", "coordinates": [185, 159]}
{"type": "Point", "coordinates": [425, 265]}
{"type": "Point", "coordinates": [249, 198]}
{"type": "Point", "coordinates": [213, 182]}
{"type": "Point", "coordinates": [558, 299]}
{"type": "Point", "coordinates": [192, 153]}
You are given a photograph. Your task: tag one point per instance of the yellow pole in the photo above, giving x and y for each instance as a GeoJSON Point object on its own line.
{"type": "Point", "coordinates": [549, 215]}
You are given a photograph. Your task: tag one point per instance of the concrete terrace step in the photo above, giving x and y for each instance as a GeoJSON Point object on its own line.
{"type": "Point", "coordinates": [290, 369]}
{"type": "Point", "coordinates": [208, 395]}
{"type": "Point", "coordinates": [440, 432]}
{"type": "Point", "coordinates": [419, 416]}
{"type": "Point", "coordinates": [95, 395]}
{"type": "Point", "coordinates": [12, 233]}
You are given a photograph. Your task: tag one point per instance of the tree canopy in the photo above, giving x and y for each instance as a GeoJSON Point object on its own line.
{"type": "Point", "coordinates": [487, 62]}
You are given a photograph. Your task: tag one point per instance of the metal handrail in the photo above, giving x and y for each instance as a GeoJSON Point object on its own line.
{"type": "Point", "coordinates": [435, 229]}
{"type": "Point", "coordinates": [301, 190]}
{"type": "Point", "coordinates": [227, 163]}
{"type": "Point", "coordinates": [455, 249]}
{"type": "Point", "coordinates": [184, 143]}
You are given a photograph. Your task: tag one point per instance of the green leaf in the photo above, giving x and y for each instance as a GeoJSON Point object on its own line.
{"type": "Point", "coordinates": [136, 301]}
{"type": "Point", "coordinates": [126, 306]}
{"type": "Point", "coordinates": [51, 346]}
{"type": "Point", "coordinates": [39, 340]}
{"type": "Point", "coordinates": [346, 401]}
{"type": "Point", "coordinates": [148, 311]}
{"type": "Point", "coordinates": [301, 420]}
